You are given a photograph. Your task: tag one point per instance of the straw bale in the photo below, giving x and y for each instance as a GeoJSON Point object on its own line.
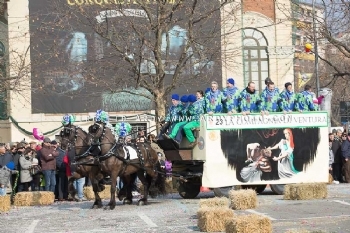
{"type": "Point", "coordinates": [5, 203]}
{"type": "Point", "coordinates": [330, 178]}
{"type": "Point", "coordinates": [213, 219]}
{"type": "Point", "coordinates": [34, 198]}
{"type": "Point", "coordinates": [89, 193]}
{"type": "Point", "coordinates": [305, 191]}
{"type": "Point", "coordinates": [302, 231]}
{"type": "Point", "coordinates": [214, 202]}
{"type": "Point", "coordinates": [243, 199]}
{"type": "Point", "coordinates": [249, 223]}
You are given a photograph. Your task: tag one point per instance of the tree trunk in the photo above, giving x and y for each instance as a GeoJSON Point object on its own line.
{"type": "Point", "coordinates": [160, 104]}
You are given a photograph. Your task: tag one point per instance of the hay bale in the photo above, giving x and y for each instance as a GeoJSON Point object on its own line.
{"type": "Point", "coordinates": [5, 203]}
{"type": "Point", "coordinates": [303, 231]}
{"type": "Point", "coordinates": [34, 198]}
{"type": "Point", "coordinates": [330, 178]}
{"type": "Point", "coordinates": [249, 223]}
{"type": "Point", "coordinates": [305, 191]}
{"type": "Point", "coordinates": [213, 219]}
{"type": "Point", "coordinates": [214, 202]}
{"type": "Point", "coordinates": [89, 193]}
{"type": "Point", "coordinates": [243, 199]}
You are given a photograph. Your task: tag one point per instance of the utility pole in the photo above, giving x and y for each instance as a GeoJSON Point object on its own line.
{"type": "Point", "coordinates": [315, 49]}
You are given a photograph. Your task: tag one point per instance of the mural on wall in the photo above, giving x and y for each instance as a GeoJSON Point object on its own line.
{"type": "Point", "coordinates": [75, 69]}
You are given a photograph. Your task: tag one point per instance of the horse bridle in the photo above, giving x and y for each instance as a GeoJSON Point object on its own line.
{"type": "Point", "coordinates": [66, 134]}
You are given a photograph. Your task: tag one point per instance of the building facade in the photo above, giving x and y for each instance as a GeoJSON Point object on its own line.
{"type": "Point", "coordinates": [256, 43]}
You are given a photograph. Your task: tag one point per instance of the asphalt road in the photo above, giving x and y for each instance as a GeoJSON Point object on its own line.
{"type": "Point", "coordinates": [174, 214]}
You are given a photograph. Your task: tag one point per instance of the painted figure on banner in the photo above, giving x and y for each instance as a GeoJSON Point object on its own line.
{"type": "Point", "coordinates": [269, 154]}
{"type": "Point", "coordinates": [258, 161]}
{"type": "Point", "coordinates": [77, 48]}
{"type": "Point", "coordinates": [285, 159]}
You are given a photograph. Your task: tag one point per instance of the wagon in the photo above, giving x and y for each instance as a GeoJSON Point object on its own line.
{"type": "Point", "coordinates": [251, 151]}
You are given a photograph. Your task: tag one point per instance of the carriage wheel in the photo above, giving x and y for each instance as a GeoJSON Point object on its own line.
{"type": "Point", "coordinates": [188, 190]}
{"type": "Point", "coordinates": [277, 188]}
{"type": "Point", "coordinates": [257, 188]}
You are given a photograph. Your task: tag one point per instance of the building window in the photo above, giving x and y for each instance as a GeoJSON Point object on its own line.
{"type": "Point", "coordinates": [255, 58]}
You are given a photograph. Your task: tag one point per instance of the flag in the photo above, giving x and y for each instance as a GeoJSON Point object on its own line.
{"type": "Point", "coordinates": [303, 78]}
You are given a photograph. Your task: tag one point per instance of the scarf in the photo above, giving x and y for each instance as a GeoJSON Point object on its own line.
{"type": "Point", "coordinates": [289, 94]}
{"type": "Point", "coordinates": [213, 95]}
{"type": "Point", "coordinates": [231, 91]}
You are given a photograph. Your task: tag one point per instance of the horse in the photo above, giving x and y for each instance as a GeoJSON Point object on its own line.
{"type": "Point", "coordinates": [79, 142]}
{"type": "Point", "coordinates": [115, 160]}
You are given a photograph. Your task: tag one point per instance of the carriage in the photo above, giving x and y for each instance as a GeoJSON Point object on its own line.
{"type": "Point", "coordinates": [251, 151]}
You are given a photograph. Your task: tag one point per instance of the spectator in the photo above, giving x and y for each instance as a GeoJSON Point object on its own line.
{"type": "Point", "coordinates": [62, 180]}
{"type": "Point", "coordinates": [25, 162]}
{"type": "Point", "coordinates": [48, 156]}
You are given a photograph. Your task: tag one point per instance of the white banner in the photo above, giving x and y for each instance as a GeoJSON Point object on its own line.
{"type": "Point", "coordinates": [117, 13]}
{"type": "Point", "coordinates": [273, 120]}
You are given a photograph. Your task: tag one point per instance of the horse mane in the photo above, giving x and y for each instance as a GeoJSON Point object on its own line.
{"type": "Point", "coordinates": [110, 126]}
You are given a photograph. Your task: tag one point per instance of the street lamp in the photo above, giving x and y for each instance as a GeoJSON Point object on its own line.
{"type": "Point", "coordinates": [315, 49]}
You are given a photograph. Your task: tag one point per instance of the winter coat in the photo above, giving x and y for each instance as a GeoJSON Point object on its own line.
{"type": "Point", "coordinates": [345, 148]}
{"type": "Point", "coordinates": [5, 175]}
{"type": "Point", "coordinates": [174, 113]}
{"type": "Point", "coordinates": [196, 109]}
{"type": "Point", "coordinates": [250, 101]}
{"type": "Point", "coordinates": [61, 166]}
{"type": "Point", "coordinates": [5, 159]}
{"type": "Point", "coordinates": [48, 162]}
{"type": "Point", "coordinates": [305, 101]}
{"type": "Point", "coordinates": [25, 162]}
{"type": "Point", "coordinates": [289, 100]}
{"type": "Point", "coordinates": [213, 101]}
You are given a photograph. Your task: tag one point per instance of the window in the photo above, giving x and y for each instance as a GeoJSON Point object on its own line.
{"type": "Point", "coordinates": [256, 58]}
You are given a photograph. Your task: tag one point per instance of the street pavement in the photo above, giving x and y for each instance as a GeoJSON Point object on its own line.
{"type": "Point", "coordinates": [174, 214]}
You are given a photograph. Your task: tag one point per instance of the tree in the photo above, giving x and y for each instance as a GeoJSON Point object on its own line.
{"type": "Point", "coordinates": [159, 45]}
{"type": "Point", "coordinates": [13, 75]}
{"type": "Point", "coordinates": [332, 25]}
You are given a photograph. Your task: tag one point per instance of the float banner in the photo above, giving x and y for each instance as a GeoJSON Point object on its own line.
{"type": "Point", "coordinates": [270, 152]}
{"type": "Point", "coordinates": [275, 120]}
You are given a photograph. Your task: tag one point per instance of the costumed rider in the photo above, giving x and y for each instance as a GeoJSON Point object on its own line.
{"type": "Point", "coordinates": [214, 99]}
{"type": "Point", "coordinates": [176, 131]}
{"type": "Point", "coordinates": [271, 99]}
{"type": "Point", "coordinates": [250, 100]}
{"type": "Point", "coordinates": [172, 117]}
{"type": "Point", "coordinates": [122, 129]}
{"type": "Point", "coordinates": [289, 98]}
{"type": "Point", "coordinates": [232, 97]}
{"type": "Point", "coordinates": [305, 100]}
{"type": "Point", "coordinates": [195, 110]}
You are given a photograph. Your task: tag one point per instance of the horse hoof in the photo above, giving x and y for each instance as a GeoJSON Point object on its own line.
{"type": "Point", "coordinates": [96, 206]}
{"type": "Point", "coordinates": [109, 207]}
{"type": "Point", "coordinates": [141, 203]}
{"type": "Point", "coordinates": [127, 202]}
